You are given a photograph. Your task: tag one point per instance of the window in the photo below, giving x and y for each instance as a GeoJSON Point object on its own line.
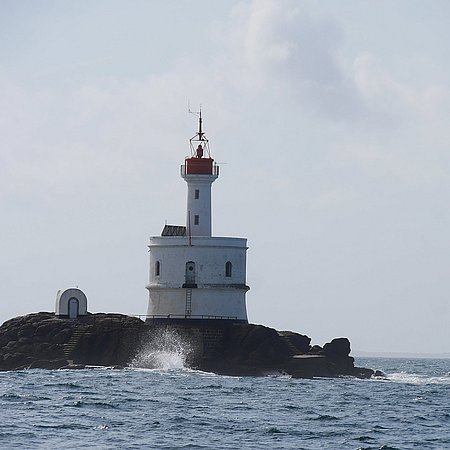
{"type": "Point", "coordinates": [197, 194]}
{"type": "Point", "coordinates": [228, 269]}
{"type": "Point", "coordinates": [157, 268]}
{"type": "Point", "coordinates": [196, 219]}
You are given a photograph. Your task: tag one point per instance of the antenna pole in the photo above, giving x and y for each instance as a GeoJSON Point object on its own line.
{"type": "Point", "coordinates": [189, 228]}
{"type": "Point", "coordinates": [199, 137]}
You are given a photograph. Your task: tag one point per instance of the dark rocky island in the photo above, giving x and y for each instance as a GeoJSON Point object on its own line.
{"type": "Point", "coordinates": [43, 340]}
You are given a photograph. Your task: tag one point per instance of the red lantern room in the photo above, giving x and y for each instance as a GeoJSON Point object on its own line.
{"type": "Point", "coordinates": [200, 161]}
{"type": "Point", "coordinates": [199, 165]}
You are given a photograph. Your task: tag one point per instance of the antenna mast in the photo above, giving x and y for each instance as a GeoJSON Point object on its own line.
{"type": "Point", "coordinates": [200, 137]}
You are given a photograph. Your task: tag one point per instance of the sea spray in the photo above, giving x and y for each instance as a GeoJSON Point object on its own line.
{"type": "Point", "coordinates": [165, 349]}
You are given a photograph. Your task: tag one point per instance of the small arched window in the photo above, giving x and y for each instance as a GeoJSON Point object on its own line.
{"type": "Point", "coordinates": [228, 269]}
{"type": "Point", "coordinates": [157, 268]}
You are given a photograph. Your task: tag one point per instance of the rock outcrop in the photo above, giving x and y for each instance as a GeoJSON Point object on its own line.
{"type": "Point", "coordinates": [258, 350]}
{"type": "Point", "coordinates": [43, 340]}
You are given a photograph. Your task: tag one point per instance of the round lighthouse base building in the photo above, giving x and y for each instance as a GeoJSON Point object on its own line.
{"type": "Point", "coordinates": [197, 278]}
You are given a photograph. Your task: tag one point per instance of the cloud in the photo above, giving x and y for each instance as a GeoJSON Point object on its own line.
{"type": "Point", "coordinates": [380, 90]}
{"type": "Point", "coordinates": [280, 52]}
{"type": "Point", "coordinates": [407, 135]}
{"type": "Point", "coordinates": [102, 134]}
{"type": "Point", "coordinates": [277, 47]}
{"type": "Point", "coordinates": [91, 137]}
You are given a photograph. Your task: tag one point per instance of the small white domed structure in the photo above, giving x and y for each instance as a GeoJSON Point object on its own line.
{"type": "Point", "coordinates": [71, 303]}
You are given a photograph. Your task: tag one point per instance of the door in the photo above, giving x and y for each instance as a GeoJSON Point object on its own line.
{"type": "Point", "coordinates": [73, 308]}
{"type": "Point", "coordinates": [190, 272]}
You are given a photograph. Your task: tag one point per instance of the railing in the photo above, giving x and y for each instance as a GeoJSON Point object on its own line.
{"type": "Point", "coordinates": [183, 316]}
{"type": "Point", "coordinates": [93, 319]}
{"type": "Point", "coordinates": [215, 171]}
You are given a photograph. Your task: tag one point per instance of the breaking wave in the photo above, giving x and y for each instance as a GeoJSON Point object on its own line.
{"type": "Point", "coordinates": [414, 378]}
{"type": "Point", "coordinates": [165, 350]}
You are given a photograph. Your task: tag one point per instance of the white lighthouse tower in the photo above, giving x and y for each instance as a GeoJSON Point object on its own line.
{"type": "Point", "coordinates": [193, 275]}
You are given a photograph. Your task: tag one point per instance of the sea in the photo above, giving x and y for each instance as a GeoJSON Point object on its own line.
{"type": "Point", "coordinates": [161, 404]}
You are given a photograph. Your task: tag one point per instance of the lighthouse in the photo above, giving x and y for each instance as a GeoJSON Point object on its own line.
{"type": "Point", "coordinates": [195, 276]}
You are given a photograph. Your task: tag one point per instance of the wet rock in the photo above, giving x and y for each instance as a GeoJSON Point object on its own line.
{"type": "Point", "coordinates": [361, 372]}
{"type": "Point", "coordinates": [48, 364]}
{"type": "Point", "coordinates": [42, 340]}
{"type": "Point", "coordinates": [254, 345]}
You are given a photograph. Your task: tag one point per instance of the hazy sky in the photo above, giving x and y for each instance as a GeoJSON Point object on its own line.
{"type": "Point", "coordinates": [330, 120]}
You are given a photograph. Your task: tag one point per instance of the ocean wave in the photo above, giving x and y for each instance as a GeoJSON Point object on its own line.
{"type": "Point", "coordinates": [184, 408]}
{"type": "Point", "coordinates": [325, 417]}
{"type": "Point", "coordinates": [414, 378]}
{"type": "Point", "coordinates": [62, 426]}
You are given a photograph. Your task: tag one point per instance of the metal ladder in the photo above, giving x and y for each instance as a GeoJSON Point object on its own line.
{"type": "Point", "coordinates": [188, 310]}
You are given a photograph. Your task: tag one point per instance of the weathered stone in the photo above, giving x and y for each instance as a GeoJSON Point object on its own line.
{"type": "Point", "coordinates": [46, 328]}
{"type": "Point", "coordinates": [255, 344]}
{"type": "Point", "coordinates": [10, 345]}
{"type": "Point", "coordinates": [48, 364]}
{"type": "Point", "coordinates": [362, 372]}
{"type": "Point", "coordinates": [42, 340]}
{"type": "Point", "coordinates": [316, 349]}
{"type": "Point", "coordinates": [337, 347]}
{"type": "Point", "coordinates": [26, 330]}
{"type": "Point", "coordinates": [299, 341]}
{"type": "Point", "coordinates": [63, 336]}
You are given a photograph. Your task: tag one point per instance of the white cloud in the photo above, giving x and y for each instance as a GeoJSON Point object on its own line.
{"type": "Point", "coordinates": [407, 131]}
{"type": "Point", "coordinates": [392, 97]}
{"type": "Point", "coordinates": [277, 49]}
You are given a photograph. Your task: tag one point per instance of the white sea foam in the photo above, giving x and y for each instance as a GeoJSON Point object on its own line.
{"type": "Point", "coordinates": [165, 351]}
{"type": "Point", "coordinates": [414, 378]}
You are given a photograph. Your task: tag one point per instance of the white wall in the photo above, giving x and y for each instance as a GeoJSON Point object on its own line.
{"type": "Point", "coordinates": [62, 301]}
{"type": "Point", "coordinates": [210, 256]}
{"type": "Point", "coordinates": [200, 206]}
{"type": "Point", "coordinates": [216, 294]}
{"type": "Point", "coordinates": [204, 302]}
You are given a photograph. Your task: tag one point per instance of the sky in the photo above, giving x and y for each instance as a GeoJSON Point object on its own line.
{"type": "Point", "coordinates": [330, 121]}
